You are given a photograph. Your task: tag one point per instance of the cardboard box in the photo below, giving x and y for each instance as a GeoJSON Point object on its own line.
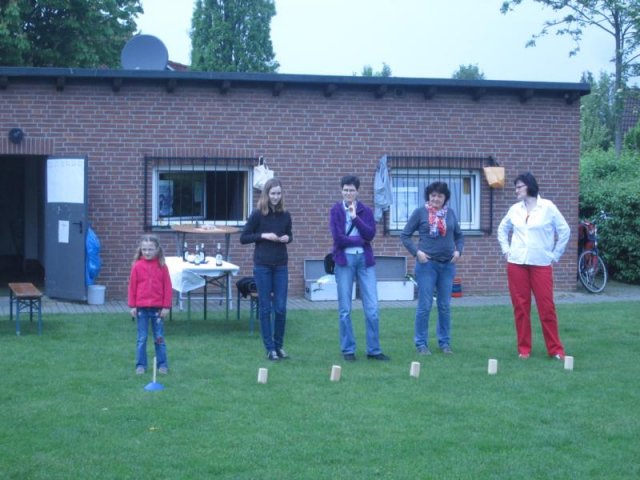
{"type": "Point", "coordinates": [318, 286]}
{"type": "Point", "coordinates": [393, 284]}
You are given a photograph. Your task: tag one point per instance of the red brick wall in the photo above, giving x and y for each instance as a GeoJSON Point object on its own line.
{"type": "Point", "coordinates": [309, 140]}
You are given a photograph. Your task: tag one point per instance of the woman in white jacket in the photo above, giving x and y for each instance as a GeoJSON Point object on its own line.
{"type": "Point", "coordinates": [539, 235]}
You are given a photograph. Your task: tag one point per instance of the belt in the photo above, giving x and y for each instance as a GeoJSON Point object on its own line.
{"type": "Point", "coordinates": [440, 261]}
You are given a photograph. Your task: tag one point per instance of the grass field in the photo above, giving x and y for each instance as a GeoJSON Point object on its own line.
{"type": "Point", "coordinates": [72, 407]}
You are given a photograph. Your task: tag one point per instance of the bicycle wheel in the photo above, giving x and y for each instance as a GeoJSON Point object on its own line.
{"type": "Point", "coordinates": [592, 270]}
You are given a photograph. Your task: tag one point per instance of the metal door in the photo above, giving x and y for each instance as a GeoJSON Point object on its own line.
{"type": "Point", "coordinates": [65, 228]}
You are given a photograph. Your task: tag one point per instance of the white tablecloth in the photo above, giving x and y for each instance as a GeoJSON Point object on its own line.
{"type": "Point", "coordinates": [186, 276]}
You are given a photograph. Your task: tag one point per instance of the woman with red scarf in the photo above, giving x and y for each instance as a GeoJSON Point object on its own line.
{"type": "Point", "coordinates": [439, 247]}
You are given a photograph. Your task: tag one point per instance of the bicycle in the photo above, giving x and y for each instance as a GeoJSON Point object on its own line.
{"type": "Point", "coordinates": [592, 270]}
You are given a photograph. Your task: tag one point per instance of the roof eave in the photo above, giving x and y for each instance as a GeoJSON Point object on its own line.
{"type": "Point", "coordinates": [330, 83]}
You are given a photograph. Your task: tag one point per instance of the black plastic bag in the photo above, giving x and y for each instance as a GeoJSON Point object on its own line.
{"type": "Point", "coordinates": [246, 285]}
{"type": "Point", "coordinates": [329, 264]}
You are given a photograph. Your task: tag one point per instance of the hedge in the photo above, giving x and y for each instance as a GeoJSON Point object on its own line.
{"type": "Point", "coordinates": [612, 185]}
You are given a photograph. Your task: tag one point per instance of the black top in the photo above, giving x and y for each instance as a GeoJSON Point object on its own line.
{"type": "Point", "coordinates": [266, 251]}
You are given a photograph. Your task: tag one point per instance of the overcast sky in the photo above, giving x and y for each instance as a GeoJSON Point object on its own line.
{"type": "Point", "coordinates": [416, 38]}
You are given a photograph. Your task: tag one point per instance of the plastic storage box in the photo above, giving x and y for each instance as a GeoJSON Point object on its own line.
{"type": "Point", "coordinates": [393, 284]}
{"type": "Point", "coordinates": [318, 286]}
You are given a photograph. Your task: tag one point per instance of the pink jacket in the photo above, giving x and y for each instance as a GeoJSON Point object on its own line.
{"type": "Point", "coordinates": [150, 285]}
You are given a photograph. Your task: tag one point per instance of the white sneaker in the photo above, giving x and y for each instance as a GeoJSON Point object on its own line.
{"type": "Point", "coordinates": [282, 354]}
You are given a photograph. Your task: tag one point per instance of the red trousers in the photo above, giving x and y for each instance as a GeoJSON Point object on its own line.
{"type": "Point", "coordinates": [524, 279]}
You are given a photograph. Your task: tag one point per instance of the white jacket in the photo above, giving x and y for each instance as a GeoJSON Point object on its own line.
{"type": "Point", "coordinates": [538, 238]}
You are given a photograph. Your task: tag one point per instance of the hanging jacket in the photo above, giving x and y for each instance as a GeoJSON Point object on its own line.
{"type": "Point", "coordinates": [382, 196]}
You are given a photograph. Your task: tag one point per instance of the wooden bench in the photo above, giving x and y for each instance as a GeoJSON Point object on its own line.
{"type": "Point", "coordinates": [25, 295]}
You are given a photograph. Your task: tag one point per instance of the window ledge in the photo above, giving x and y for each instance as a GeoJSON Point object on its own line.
{"type": "Point", "coordinates": [466, 233]}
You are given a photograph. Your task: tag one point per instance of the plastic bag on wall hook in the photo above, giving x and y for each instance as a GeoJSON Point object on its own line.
{"type": "Point", "coordinates": [494, 175]}
{"type": "Point", "coordinates": [261, 174]}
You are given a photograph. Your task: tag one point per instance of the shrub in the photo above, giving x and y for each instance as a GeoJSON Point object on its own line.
{"type": "Point", "coordinates": [612, 185]}
{"type": "Point", "coordinates": [632, 138]}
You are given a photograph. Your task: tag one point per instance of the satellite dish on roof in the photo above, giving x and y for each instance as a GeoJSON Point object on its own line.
{"type": "Point", "coordinates": [144, 52]}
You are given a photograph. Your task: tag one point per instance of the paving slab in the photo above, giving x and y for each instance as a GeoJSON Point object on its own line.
{"type": "Point", "coordinates": [614, 292]}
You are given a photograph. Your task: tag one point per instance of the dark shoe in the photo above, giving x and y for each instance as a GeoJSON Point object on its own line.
{"type": "Point", "coordinates": [350, 357]}
{"type": "Point", "coordinates": [423, 351]}
{"type": "Point", "coordinates": [379, 356]}
{"type": "Point", "coordinates": [446, 350]}
{"type": "Point", "coordinates": [282, 354]}
{"type": "Point", "coordinates": [273, 356]}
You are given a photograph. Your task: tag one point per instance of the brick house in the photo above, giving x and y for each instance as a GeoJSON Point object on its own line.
{"type": "Point", "coordinates": [197, 135]}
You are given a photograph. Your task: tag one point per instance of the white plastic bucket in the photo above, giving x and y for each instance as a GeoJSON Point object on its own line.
{"type": "Point", "coordinates": [95, 294]}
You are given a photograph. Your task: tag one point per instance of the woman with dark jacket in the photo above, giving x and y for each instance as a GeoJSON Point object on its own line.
{"type": "Point", "coordinates": [353, 228]}
{"type": "Point", "coordinates": [269, 227]}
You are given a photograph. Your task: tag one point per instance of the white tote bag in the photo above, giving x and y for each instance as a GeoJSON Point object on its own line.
{"type": "Point", "coordinates": [261, 174]}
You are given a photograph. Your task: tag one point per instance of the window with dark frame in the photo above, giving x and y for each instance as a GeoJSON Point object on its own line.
{"type": "Point", "coordinates": [471, 198]}
{"type": "Point", "coordinates": [204, 190]}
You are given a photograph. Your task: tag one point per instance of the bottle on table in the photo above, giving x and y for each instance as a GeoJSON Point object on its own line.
{"type": "Point", "coordinates": [196, 258]}
{"type": "Point", "coordinates": [185, 252]}
{"type": "Point", "coordinates": [218, 255]}
{"type": "Point", "coordinates": [203, 254]}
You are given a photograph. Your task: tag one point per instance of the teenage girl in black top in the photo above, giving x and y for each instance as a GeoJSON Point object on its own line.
{"type": "Point", "coordinates": [269, 227]}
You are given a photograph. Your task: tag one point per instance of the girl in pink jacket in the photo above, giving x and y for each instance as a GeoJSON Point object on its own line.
{"type": "Point", "coordinates": [150, 297]}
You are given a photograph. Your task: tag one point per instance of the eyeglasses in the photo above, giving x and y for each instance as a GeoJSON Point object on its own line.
{"type": "Point", "coordinates": [518, 187]}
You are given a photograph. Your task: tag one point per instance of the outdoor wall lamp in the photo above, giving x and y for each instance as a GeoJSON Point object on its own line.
{"type": "Point", "coordinates": [16, 135]}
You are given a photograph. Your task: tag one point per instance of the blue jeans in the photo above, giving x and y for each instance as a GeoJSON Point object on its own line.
{"type": "Point", "coordinates": [272, 283]}
{"type": "Point", "coordinates": [146, 316]}
{"type": "Point", "coordinates": [367, 280]}
{"type": "Point", "coordinates": [434, 276]}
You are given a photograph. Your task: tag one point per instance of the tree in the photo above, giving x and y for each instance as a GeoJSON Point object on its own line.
{"type": "Point", "coordinates": [618, 18]}
{"type": "Point", "coordinates": [367, 71]}
{"type": "Point", "coordinates": [468, 72]}
{"type": "Point", "coordinates": [233, 36]}
{"type": "Point", "coordinates": [596, 114]}
{"type": "Point", "coordinates": [62, 33]}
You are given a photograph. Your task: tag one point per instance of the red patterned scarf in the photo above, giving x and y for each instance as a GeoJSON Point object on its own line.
{"type": "Point", "coordinates": [437, 220]}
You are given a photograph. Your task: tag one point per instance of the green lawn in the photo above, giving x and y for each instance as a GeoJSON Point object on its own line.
{"type": "Point", "coordinates": [72, 407]}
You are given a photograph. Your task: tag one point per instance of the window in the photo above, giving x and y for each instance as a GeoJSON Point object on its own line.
{"type": "Point", "coordinates": [471, 198]}
{"type": "Point", "coordinates": [408, 193]}
{"type": "Point", "coordinates": [213, 191]}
